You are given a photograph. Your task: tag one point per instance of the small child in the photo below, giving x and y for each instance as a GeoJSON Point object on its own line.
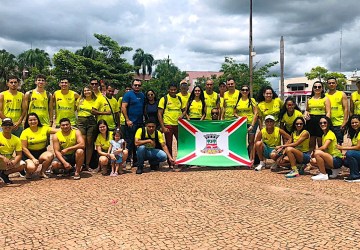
{"type": "Point", "coordinates": [118, 152]}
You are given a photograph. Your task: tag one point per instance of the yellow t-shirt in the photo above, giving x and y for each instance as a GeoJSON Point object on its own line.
{"type": "Point", "coordinates": [244, 109]}
{"type": "Point", "coordinates": [36, 140]}
{"type": "Point", "coordinates": [39, 104]}
{"type": "Point", "coordinates": [271, 140]}
{"type": "Point", "coordinates": [337, 112]}
{"type": "Point", "coordinates": [195, 109]}
{"type": "Point", "coordinates": [355, 97]}
{"type": "Point", "coordinates": [288, 120]}
{"type": "Point", "coordinates": [229, 103]}
{"type": "Point", "coordinates": [355, 140]}
{"type": "Point", "coordinates": [211, 102]}
{"type": "Point", "coordinates": [221, 102]}
{"type": "Point", "coordinates": [67, 141]}
{"type": "Point", "coordinates": [122, 118]}
{"type": "Point", "coordinates": [65, 106]}
{"type": "Point", "coordinates": [270, 108]}
{"type": "Point", "coordinates": [85, 107]}
{"type": "Point", "coordinates": [160, 136]}
{"type": "Point", "coordinates": [184, 98]}
{"type": "Point", "coordinates": [102, 142]}
{"type": "Point", "coordinates": [105, 107]}
{"type": "Point", "coordinates": [12, 105]}
{"type": "Point", "coordinates": [8, 146]}
{"type": "Point", "coordinates": [332, 147]}
{"type": "Point", "coordinates": [172, 110]}
{"type": "Point", "coordinates": [317, 106]}
{"type": "Point", "coordinates": [304, 146]}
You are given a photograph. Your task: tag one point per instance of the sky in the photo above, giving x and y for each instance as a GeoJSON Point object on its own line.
{"type": "Point", "coordinates": [195, 34]}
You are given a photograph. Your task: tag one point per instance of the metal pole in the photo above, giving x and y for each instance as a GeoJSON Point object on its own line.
{"type": "Point", "coordinates": [282, 68]}
{"type": "Point", "coordinates": [250, 53]}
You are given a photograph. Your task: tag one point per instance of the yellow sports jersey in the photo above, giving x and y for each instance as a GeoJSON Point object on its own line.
{"type": "Point", "coordinates": [36, 140]}
{"type": "Point", "coordinates": [184, 98]}
{"type": "Point", "coordinates": [271, 140]}
{"type": "Point", "coordinates": [172, 110]}
{"type": "Point", "coordinates": [304, 146]}
{"type": "Point", "coordinates": [211, 102]}
{"type": "Point", "coordinates": [337, 112]}
{"type": "Point", "coordinates": [65, 106]}
{"type": "Point", "coordinates": [8, 146]}
{"type": "Point", "coordinates": [195, 109]}
{"type": "Point", "coordinates": [270, 108]}
{"type": "Point", "coordinates": [317, 106]}
{"type": "Point", "coordinates": [332, 150]}
{"type": "Point", "coordinates": [288, 120]}
{"type": "Point", "coordinates": [67, 141]}
{"type": "Point", "coordinates": [229, 103]}
{"type": "Point", "coordinates": [102, 142]}
{"type": "Point", "coordinates": [122, 118]}
{"type": "Point", "coordinates": [85, 107]}
{"type": "Point", "coordinates": [105, 107]}
{"type": "Point", "coordinates": [355, 140]}
{"type": "Point", "coordinates": [355, 97]}
{"type": "Point", "coordinates": [221, 102]}
{"type": "Point", "coordinates": [39, 104]}
{"type": "Point", "coordinates": [12, 105]}
{"type": "Point", "coordinates": [245, 108]}
{"type": "Point", "coordinates": [160, 136]}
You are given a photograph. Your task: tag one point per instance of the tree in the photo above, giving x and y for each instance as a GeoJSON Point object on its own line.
{"type": "Point", "coordinates": [88, 52]}
{"type": "Point", "coordinates": [143, 61]}
{"type": "Point", "coordinates": [322, 74]}
{"type": "Point", "coordinates": [34, 58]}
{"type": "Point", "coordinates": [8, 66]}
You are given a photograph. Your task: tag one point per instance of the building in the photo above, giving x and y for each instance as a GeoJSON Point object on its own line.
{"type": "Point", "coordinates": [193, 76]}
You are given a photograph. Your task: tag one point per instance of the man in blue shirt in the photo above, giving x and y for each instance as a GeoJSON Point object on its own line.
{"type": "Point", "coordinates": [133, 109]}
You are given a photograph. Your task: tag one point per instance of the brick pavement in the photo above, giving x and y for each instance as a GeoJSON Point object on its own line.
{"type": "Point", "coordinates": [195, 209]}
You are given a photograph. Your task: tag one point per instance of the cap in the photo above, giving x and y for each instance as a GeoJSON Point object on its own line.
{"type": "Point", "coordinates": [7, 122]}
{"type": "Point", "coordinates": [269, 117]}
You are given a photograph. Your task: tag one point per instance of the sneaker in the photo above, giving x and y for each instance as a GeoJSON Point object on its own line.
{"type": "Point", "coordinates": [352, 179]}
{"type": "Point", "coordinates": [139, 170]}
{"type": "Point", "coordinates": [301, 169]}
{"type": "Point", "coordinates": [112, 174]}
{"type": "Point", "coordinates": [259, 167]}
{"type": "Point", "coordinates": [77, 177]}
{"type": "Point", "coordinates": [155, 167]}
{"type": "Point", "coordinates": [320, 177]}
{"type": "Point", "coordinates": [335, 172]}
{"type": "Point", "coordinates": [292, 174]}
{"type": "Point", "coordinates": [128, 165]}
{"type": "Point", "coordinates": [5, 178]}
{"type": "Point", "coordinates": [274, 167]}
{"type": "Point", "coordinates": [22, 174]}
{"type": "Point", "coordinates": [115, 174]}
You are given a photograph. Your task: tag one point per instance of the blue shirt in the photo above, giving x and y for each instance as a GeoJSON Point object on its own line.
{"type": "Point", "coordinates": [135, 108]}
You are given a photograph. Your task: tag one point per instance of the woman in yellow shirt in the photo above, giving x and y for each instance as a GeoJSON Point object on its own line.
{"type": "Point", "coordinates": [328, 158]}
{"type": "Point", "coordinates": [288, 113]}
{"type": "Point", "coordinates": [196, 107]}
{"type": "Point", "coordinates": [34, 140]}
{"type": "Point", "coordinates": [268, 104]}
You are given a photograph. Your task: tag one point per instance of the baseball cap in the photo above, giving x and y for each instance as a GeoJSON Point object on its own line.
{"type": "Point", "coordinates": [7, 122]}
{"type": "Point", "coordinates": [269, 117]}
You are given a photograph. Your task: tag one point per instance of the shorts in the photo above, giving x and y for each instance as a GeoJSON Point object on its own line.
{"type": "Point", "coordinates": [118, 159]}
{"type": "Point", "coordinates": [86, 125]}
{"type": "Point", "coordinates": [339, 134]}
{"type": "Point", "coordinates": [35, 153]}
{"type": "Point", "coordinates": [306, 158]}
{"type": "Point", "coordinates": [255, 127]}
{"type": "Point", "coordinates": [267, 151]}
{"type": "Point", "coordinates": [70, 158]}
{"type": "Point", "coordinates": [313, 127]}
{"type": "Point", "coordinates": [337, 162]}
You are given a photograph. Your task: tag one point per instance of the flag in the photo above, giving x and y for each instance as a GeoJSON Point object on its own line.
{"type": "Point", "coordinates": [213, 143]}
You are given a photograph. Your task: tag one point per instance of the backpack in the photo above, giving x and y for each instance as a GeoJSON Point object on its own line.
{"type": "Point", "coordinates": [157, 142]}
{"type": "Point", "coordinates": [30, 95]}
{"type": "Point", "coordinates": [166, 100]}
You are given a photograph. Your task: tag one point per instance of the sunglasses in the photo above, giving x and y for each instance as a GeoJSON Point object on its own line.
{"type": "Point", "coordinates": [94, 83]}
{"type": "Point", "coordinates": [299, 124]}
{"type": "Point", "coordinates": [317, 87]}
{"type": "Point", "coordinates": [137, 85]}
{"type": "Point", "coordinates": [215, 113]}
{"type": "Point", "coordinates": [322, 123]}
{"type": "Point", "coordinates": [245, 90]}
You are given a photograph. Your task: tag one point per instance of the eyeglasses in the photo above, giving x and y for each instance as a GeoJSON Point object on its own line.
{"type": "Point", "coordinates": [299, 124]}
{"type": "Point", "coordinates": [215, 113]}
{"type": "Point", "coordinates": [245, 90]}
{"type": "Point", "coordinates": [137, 85]}
{"type": "Point", "coordinates": [317, 87]}
{"type": "Point", "coordinates": [94, 83]}
{"type": "Point", "coordinates": [322, 123]}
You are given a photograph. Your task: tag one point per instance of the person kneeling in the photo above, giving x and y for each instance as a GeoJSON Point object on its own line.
{"type": "Point", "coordinates": [148, 141]}
{"type": "Point", "coordinates": [68, 148]}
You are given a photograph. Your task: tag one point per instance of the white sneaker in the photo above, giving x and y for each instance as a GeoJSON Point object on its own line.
{"type": "Point", "coordinates": [335, 172]}
{"type": "Point", "coordinates": [259, 167]}
{"type": "Point", "coordinates": [320, 177]}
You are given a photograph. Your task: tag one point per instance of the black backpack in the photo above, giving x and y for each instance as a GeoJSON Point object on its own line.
{"type": "Point", "coordinates": [157, 142]}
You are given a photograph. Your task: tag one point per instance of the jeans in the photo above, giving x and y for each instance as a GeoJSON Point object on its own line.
{"type": "Point", "coordinates": [352, 161]}
{"type": "Point", "coordinates": [130, 140]}
{"type": "Point", "coordinates": [339, 134]}
{"type": "Point", "coordinates": [153, 155]}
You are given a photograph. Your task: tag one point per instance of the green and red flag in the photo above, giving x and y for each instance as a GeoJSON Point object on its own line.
{"type": "Point", "coordinates": [213, 143]}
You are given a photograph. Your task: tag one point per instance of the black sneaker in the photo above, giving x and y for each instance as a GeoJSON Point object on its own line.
{"type": "Point", "coordinates": [155, 167]}
{"type": "Point", "coordinates": [139, 170]}
{"type": "Point", "coordinates": [5, 178]}
{"type": "Point", "coordinates": [352, 179]}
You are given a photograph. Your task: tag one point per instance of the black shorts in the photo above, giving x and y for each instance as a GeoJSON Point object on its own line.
{"type": "Point", "coordinates": [35, 153]}
{"type": "Point", "coordinates": [313, 127]}
{"type": "Point", "coordinates": [86, 125]}
{"type": "Point", "coordinates": [70, 158]}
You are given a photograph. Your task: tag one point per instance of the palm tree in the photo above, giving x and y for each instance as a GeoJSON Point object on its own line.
{"type": "Point", "coordinates": [8, 65]}
{"type": "Point", "coordinates": [34, 58]}
{"type": "Point", "coordinates": [143, 61]}
{"type": "Point", "coordinates": [88, 52]}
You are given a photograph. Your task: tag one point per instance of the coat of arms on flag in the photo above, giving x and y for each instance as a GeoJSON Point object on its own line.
{"type": "Point", "coordinates": [213, 143]}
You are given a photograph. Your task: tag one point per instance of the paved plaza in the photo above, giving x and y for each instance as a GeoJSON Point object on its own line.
{"type": "Point", "coordinates": [193, 209]}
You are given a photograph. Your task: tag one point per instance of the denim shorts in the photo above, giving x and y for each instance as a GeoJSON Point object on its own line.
{"type": "Point", "coordinates": [267, 151]}
{"type": "Point", "coordinates": [337, 162]}
{"type": "Point", "coordinates": [306, 158]}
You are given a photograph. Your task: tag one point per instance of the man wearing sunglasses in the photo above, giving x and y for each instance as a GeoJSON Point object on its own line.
{"type": "Point", "coordinates": [339, 109]}
{"type": "Point", "coordinates": [212, 99]}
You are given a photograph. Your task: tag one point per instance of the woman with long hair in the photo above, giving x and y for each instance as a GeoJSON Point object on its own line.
{"type": "Point", "coordinates": [247, 107]}
{"type": "Point", "coordinates": [150, 108]}
{"type": "Point", "coordinates": [297, 150]}
{"type": "Point", "coordinates": [317, 106]}
{"type": "Point", "coordinates": [268, 104]}
{"type": "Point", "coordinates": [288, 113]}
{"type": "Point", "coordinates": [352, 155]}
{"type": "Point", "coordinates": [196, 107]}
{"type": "Point", "coordinates": [328, 158]}
{"type": "Point", "coordinates": [34, 140]}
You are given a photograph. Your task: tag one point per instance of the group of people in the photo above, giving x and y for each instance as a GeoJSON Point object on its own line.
{"type": "Point", "coordinates": [138, 126]}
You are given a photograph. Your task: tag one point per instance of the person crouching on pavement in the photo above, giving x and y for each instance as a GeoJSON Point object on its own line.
{"type": "Point", "coordinates": [151, 146]}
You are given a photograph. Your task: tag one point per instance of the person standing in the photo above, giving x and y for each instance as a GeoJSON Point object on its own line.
{"type": "Point", "coordinates": [355, 100]}
{"type": "Point", "coordinates": [184, 92]}
{"type": "Point", "coordinates": [111, 106]}
{"type": "Point", "coordinates": [196, 107]}
{"type": "Point", "coordinates": [40, 101]}
{"type": "Point", "coordinates": [101, 108]}
{"type": "Point", "coordinates": [122, 118]}
{"type": "Point", "coordinates": [65, 102]}
{"type": "Point", "coordinates": [133, 109]}
{"type": "Point", "coordinates": [231, 97]}
{"type": "Point", "coordinates": [212, 99]}
{"type": "Point", "coordinates": [12, 106]}
{"type": "Point", "coordinates": [339, 109]}
{"type": "Point", "coordinates": [268, 104]}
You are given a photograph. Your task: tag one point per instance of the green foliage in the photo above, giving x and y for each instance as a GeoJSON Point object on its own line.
{"type": "Point", "coordinates": [319, 73]}
{"type": "Point", "coordinates": [8, 66]}
{"type": "Point", "coordinates": [34, 58]}
{"type": "Point", "coordinates": [143, 61]}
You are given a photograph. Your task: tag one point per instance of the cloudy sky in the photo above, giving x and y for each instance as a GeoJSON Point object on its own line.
{"type": "Point", "coordinates": [196, 34]}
